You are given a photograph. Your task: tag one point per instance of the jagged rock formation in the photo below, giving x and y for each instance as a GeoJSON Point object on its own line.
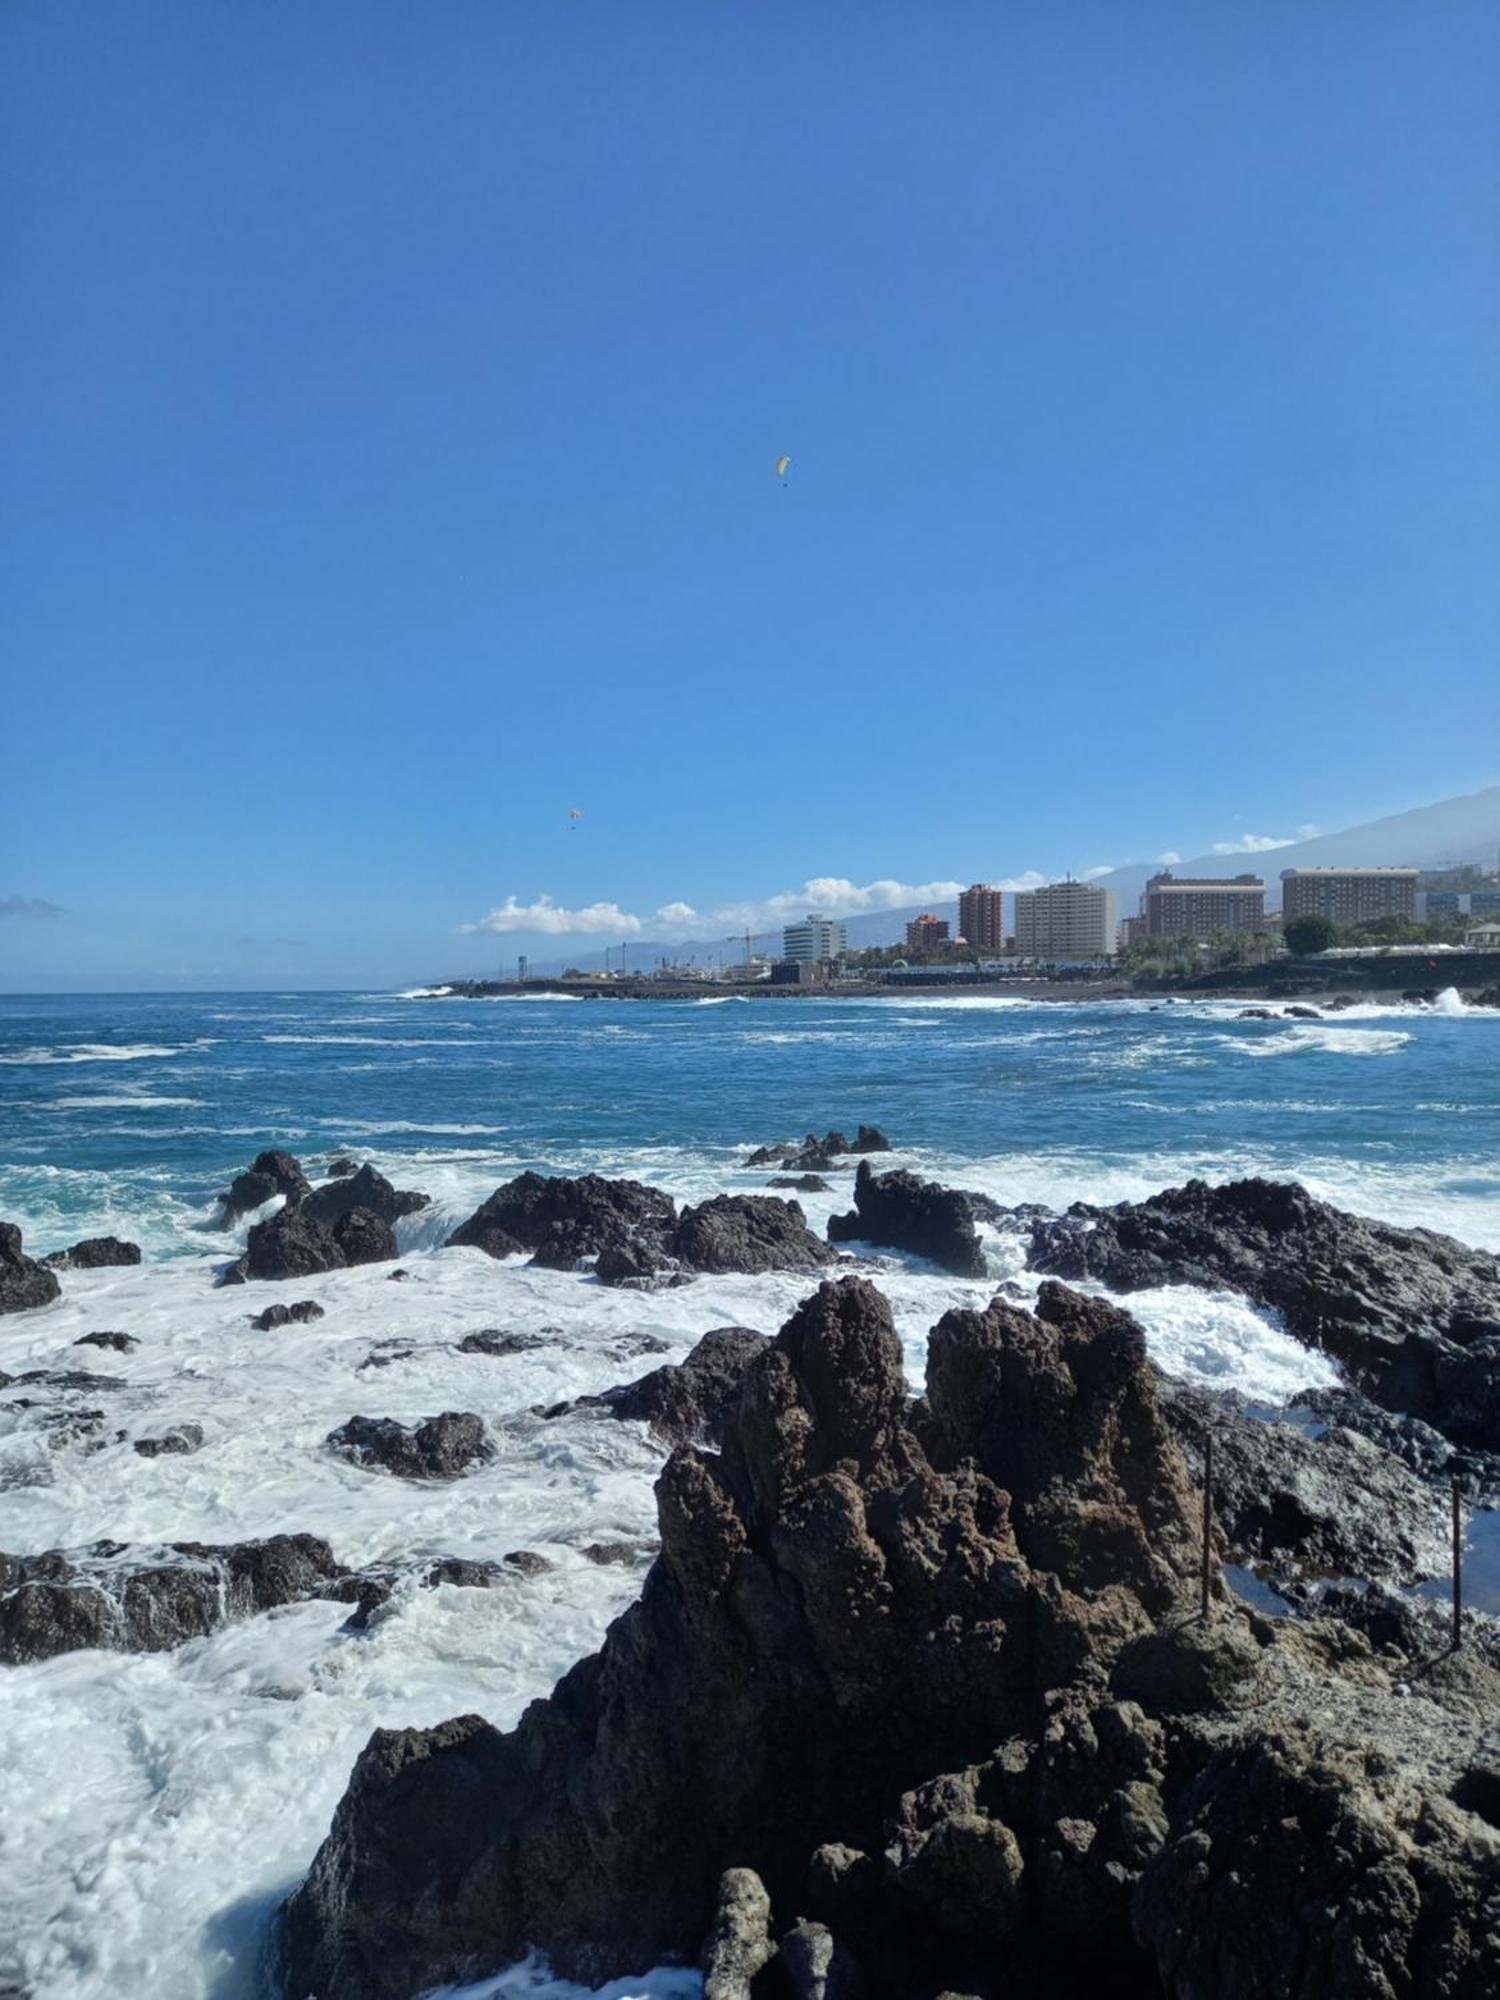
{"type": "Point", "coordinates": [290, 1244]}
{"type": "Point", "coordinates": [815, 1152]}
{"type": "Point", "coordinates": [926, 1681]}
{"type": "Point", "coordinates": [441, 1448]}
{"type": "Point", "coordinates": [1411, 1316]}
{"type": "Point", "coordinates": [562, 1221]}
{"type": "Point", "coordinates": [94, 1254]}
{"type": "Point", "coordinates": [269, 1174]}
{"type": "Point", "coordinates": [362, 1188]}
{"type": "Point", "coordinates": [907, 1213]}
{"type": "Point", "coordinates": [691, 1401]}
{"type": "Point", "coordinates": [747, 1232]}
{"type": "Point", "coordinates": [24, 1283]}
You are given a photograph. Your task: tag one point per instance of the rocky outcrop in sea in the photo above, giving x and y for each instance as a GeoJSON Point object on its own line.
{"type": "Point", "coordinates": [917, 1698]}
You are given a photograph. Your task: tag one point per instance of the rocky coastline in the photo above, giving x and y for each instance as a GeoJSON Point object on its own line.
{"type": "Point", "coordinates": [919, 1697]}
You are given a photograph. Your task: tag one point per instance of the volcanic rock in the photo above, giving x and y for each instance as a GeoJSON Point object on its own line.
{"type": "Point", "coordinates": [803, 1183]}
{"type": "Point", "coordinates": [181, 1438]}
{"type": "Point", "coordinates": [688, 1402]}
{"type": "Point", "coordinates": [490, 1340]}
{"type": "Point", "coordinates": [364, 1238]}
{"type": "Point", "coordinates": [119, 1343]}
{"type": "Point", "coordinates": [361, 1188]}
{"type": "Point", "coordinates": [907, 1213]}
{"type": "Point", "coordinates": [289, 1244]}
{"type": "Point", "coordinates": [138, 1600]}
{"type": "Point", "coordinates": [739, 1943]}
{"type": "Point", "coordinates": [815, 1152]}
{"type": "Point", "coordinates": [1331, 1505]}
{"type": "Point", "coordinates": [441, 1448]}
{"type": "Point", "coordinates": [294, 1315]}
{"type": "Point", "coordinates": [94, 1253]}
{"type": "Point", "coordinates": [635, 1264]}
{"type": "Point", "coordinates": [831, 1618]}
{"type": "Point", "coordinates": [269, 1174]}
{"type": "Point", "coordinates": [562, 1221]}
{"type": "Point", "coordinates": [24, 1283]}
{"type": "Point", "coordinates": [747, 1232]}
{"type": "Point", "coordinates": [1412, 1317]}
{"type": "Point", "coordinates": [341, 1166]}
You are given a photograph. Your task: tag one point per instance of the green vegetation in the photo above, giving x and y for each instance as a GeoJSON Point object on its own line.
{"type": "Point", "coordinates": [1305, 936]}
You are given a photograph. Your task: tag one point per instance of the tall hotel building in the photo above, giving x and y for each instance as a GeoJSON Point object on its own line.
{"type": "Point", "coordinates": [981, 917]}
{"type": "Point", "coordinates": [1349, 896]}
{"type": "Point", "coordinates": [1198, 907]}
{"type": "Point", "coordinates": [1066, 922]}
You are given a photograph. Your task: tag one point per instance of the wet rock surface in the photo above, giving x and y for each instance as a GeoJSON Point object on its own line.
{"type": "Point", "coordinates": [364, 1238]}
{"type": "Point", "coordinates": [563, 1221]}
{"type": "Point", "coordinates": [117, 1343]}
{"type": "Point", "coordinates": [747, 1232]}
{"type": "Point", "coordinates": [149, 1600]}
{"type": "Point", "coordinates": [813, 1152]}
{"type": "Point", "coordinates": [94, 1253]}
{"type": "Point", "coordinates": [1411, 1316]}
{"type": "Point", "coordinates": [444, 1447]}
{"type": "Point", "coordinates": [364, 1188]}
{"type": "Point", "coordinates": [176, 1442]}
{"type": "Point", "coordinates": [689, 1402]}
{"type": "Point", "coordinates": [290, 1245]}
{"type": "Point", "coordinates": [268, 1175]}
{"type": "Point", "coordinates": [300, 1314]}
{"type": "Point", "coordinates": [919, 1690]}
{"type": "Point", "coordinates": [907, 1213]}
{"type": "Point", "coordinates": [24, 1283]}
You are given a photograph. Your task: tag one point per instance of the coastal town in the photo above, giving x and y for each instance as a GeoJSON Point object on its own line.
{"type": "Point", "coordinates": [1368, 924]}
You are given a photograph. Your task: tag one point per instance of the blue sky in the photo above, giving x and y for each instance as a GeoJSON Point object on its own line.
{"type": "Point", "coordinates": [391, 393]}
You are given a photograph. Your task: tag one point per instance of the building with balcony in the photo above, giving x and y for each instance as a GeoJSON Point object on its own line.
{"type": "Point", "coordinates": [1067, 922]}
{"type": "Point", "coordinates": [981, 917]}
{"type": "Point", "coordinates": [1349, 897]}
{"type": "Point", "coordinates": [1202, 906]}
{"type": "Point", "coordinates": [814, 941]}
{"type": "Point", "coordinates": [924, 933]}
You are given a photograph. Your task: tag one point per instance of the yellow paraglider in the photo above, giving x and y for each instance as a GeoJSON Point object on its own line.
{"type": "Point", "coordinates": [781, 466]}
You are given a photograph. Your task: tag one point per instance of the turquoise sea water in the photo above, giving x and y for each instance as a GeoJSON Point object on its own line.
{"type": "Point", "coordinates": [129, 1112]}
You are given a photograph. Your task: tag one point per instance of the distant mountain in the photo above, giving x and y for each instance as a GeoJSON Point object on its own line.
{"type": "Point", "coordinates": [1452, 831]}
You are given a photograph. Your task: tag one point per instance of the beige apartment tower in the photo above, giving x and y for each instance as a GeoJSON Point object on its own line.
{"type": "Point", "coordinates": [1202, 906]}
{"type": "Point", "coordinates": [1066, 922]}
{"type": "Point", "coordinates": [1349, 896]}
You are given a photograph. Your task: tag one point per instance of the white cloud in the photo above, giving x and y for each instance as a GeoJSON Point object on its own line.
{"type": "Point", "coordinates": [546, 919]}
{"type": "Point", "coordinates": [1090, 874]}
{"type": "Point", "coordinates": [1254, 843]}
{"type": "Point", "coordinates": [1169, 859]}
{"type": "Point", "coordinates": [673, 914]}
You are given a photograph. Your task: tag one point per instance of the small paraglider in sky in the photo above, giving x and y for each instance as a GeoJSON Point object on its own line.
{"type": "Point", "coordinates": [574, 816]}
{"type": "Point", "coordinates": [781, 466]}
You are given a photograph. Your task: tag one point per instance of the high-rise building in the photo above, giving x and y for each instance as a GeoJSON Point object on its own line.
{"type": "Point", "coordinates": [1066, 922]}
{"type": "Point", "coordinates": [981, 917]}
{"type": "Point", "coordinates": [1201, 906]}
{"type": "Point", "coordinates": [923, 932]}
{"type": "Point", "coordinates": [1349, 896]}
{"type": "Point", "coordinates": [813, 940]}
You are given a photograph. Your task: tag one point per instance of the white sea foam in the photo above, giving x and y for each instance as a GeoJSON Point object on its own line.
{"type": "Point", "coordinates": [534, 1981]}
{"type": "Point", "coordinates": [1316, 1039]}
{"type": "Point", "coordinates": [132, 1100]}
{"type": "Point", "coordinates": [91, 1052]}
{"type": "Point", "coordinates": [377, 1041]}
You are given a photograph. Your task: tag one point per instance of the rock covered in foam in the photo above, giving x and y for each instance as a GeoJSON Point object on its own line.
{"type": "Point", "coordinates": [95, 1253]}
{"type": "Point", "coordinates": [24, 1283]}
{"type": "Point", "coordinates": [442, 1447]}
{"type": "Point", "coordinates": [268, 1175]}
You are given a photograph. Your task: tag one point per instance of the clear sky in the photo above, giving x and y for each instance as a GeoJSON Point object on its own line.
{"type": "Point", "coordinates": [390, 400]}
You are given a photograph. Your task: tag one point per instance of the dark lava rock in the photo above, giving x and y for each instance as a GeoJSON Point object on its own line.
{"type": "Point", "coordinates": [294, 1315]}
{"type": "Point", "coordinates": [473, 1574]}
{"type": "Point", "coordinates": [362, 1188]}
{"type": "Point", "coordinates": [181, 1438]}
{"type": "Point", "coordinates": [290, 1245]}
{"type": "Point", "coordinates": [1255, 1014]}
{"type": "Point", "coordinates": [747, 1232]}
{"type": "Point", "coordinates": [1304, 1014]}
{"type": "Point", "coordinates": [269, 1174]}
{"type": "Point", "coordinates": [24, 1283]}
{"type": "Point", "coordinates": [118, 1343]}
{"type": "Point", "coordinates": [341, 1166]}
{"type": "Point", "coordinates": [1412, 1317]}
{"type": "Point", "coordinates": [1417, 1444]}
{"type": "Point", "coordinates": [1332, 1505]}
{"type": "Point", "coordinates": [382, 1357]}
{"type": "Point", "coordinates": [441, 1448]}
{"type": "Point", "coordinates": [565, 1220]}
{"type": "Point", "coordinates": [833, 1617]}
{"type": "Point", "coordinates": [139, 1600]}
{"type": "Point", "coordinates": [815, 1152]}
{"type": "Point", "coordinates": [68, 1381]}
{"type": "Point", "coordinates": [490, 1340]}
{"type": "Point", "coordinates": [688, 1403]}
{"type": "Point", "coordinates": [803, 1183]}
{"type": "Point", "coordinates": [94, 1254]}
{"type": "Point", "coordinates": [635, 1263]}
{"type": "Point", "coordinates": [900, 1210]}
{"type": "Point", "coordinates": [526, 1562]}
{"type": "Point", "coordinates": [396, 1276]}
{"type": "Point", "coordinates": [616, 1555]}
{"type": "Point", "coordinates": [364, 1238]}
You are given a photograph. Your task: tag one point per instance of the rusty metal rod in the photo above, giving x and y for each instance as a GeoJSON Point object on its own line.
{"type": "Point", "coordinates": [1458, 1569]}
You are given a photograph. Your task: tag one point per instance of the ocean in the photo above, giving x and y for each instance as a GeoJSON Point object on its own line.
{"type": "Point", "coordinates": [158, 1807]}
